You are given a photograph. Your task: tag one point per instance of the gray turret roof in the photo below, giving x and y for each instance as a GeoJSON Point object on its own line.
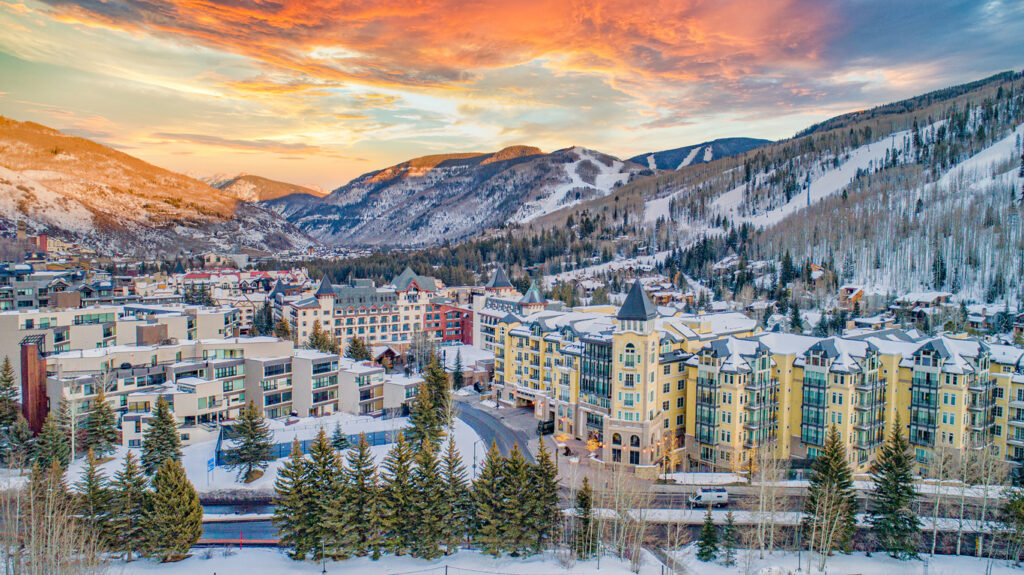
{"type": "Point", "coordinates": [325, 288]}
{"type": "Point", "coordinates": [499, 280]}
{"type": "Point", "coordinates": [638, 306]}
{"type": "Point", "coordinates": [533, 295]}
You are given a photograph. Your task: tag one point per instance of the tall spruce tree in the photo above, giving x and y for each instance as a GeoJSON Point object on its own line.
{"type": "Point", "coordinates": [358, 350]}
{"type": "Point", "coordinates": [282, 329]}
{"type": "Point", "coordinates": [583, 540]}
{"type": "Point", "coordinates": [423, 417]}
{"type": "Point", "coordinates": [51, 445]}
{"type": "Point", "coordinates": [517, 502]}
{"type": "Point", "coordinates": [458, 380]}
{"type": "Point", "coordinates": [294, 513]}
{"type": "Point", "coordinates": [398, 497]}
{"type": "Point", "coordinates": [320, 339]}
{"type": "Point", "coordinates": [101, 426]}
{"type": "Point", "coordinates": [253, 443]}
{"type": "Point", "coordinates": [339, 439]}
{"type": "Point", "coordinates": [324, 476]}
{"type": "Point", "coordinates": [95, 501]}
{"type": "Point", "coordinates": [129, 504]}
{"type": "Point", "coordinates": [17, 442]}
{"type": "Point", "coordinates": [161, 440]}
{"type": "Point", "coordinates": [8, 394]}
{"type": "Point", "coordinates": [457, 503]}
{"type": "Point", "coordinates": [356, 518]}
{"type": "Point", "coordinates": [729, 539]}
{"type": "Point", "coordinates": [428, 503]}
{"type": "Point", "coordinates": [707, 545]}
{"type": "Point", "coordinates": [174, 517]}
{"type": "Point", "coordinates": [489, 509]}
{"type": "Point", "coordinates": [893, 521]}
{"type": "Point", "coordinates": [831, 474]}
{"type": "Point", "coordinates": [544, 519]}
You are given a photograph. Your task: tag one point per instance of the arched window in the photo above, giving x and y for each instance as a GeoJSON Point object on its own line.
{"type": "Point", "coordinates": [630, 355]}
{"type": "Point", "coordinates": [634, 441]}
{"type": "Point", "coordinates": [616, 439]}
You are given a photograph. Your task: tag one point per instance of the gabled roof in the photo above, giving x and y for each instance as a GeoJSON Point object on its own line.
{"type": "Point", "coordinates": [403, 280]}
{"type": "Point", "coordinates": [638, 306]}
{"type": "Point", "coordinates": [499, 280]}
{"type": "Point", "coordinates": [533, 296]}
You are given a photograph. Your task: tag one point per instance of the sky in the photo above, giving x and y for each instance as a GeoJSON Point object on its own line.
{"type": "Point", "coordinates": [317, 92]}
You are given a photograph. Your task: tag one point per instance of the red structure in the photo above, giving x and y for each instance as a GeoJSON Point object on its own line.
{"type": "Point", "coordinates": [33, 381]}
{"type": "Point", "coordinates": [449, 323]}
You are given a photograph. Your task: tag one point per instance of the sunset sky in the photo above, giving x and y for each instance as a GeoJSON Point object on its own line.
{"type": "Point", "coordinates": [319, 91]}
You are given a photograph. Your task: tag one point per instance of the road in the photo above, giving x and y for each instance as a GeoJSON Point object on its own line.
{"type": "Point", "coordinates": [493, 429]}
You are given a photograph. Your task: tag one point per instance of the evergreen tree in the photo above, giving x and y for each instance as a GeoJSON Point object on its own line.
{"type": "Point", "coordinates": [423, 416]}
{"type": "Point", "coordinates": [796, 322]}
{"type": "Point", "coordinates": [95, 501]}
{"type": "Point", "coordinates": [16, 443]}
{"type": "Point", "coordinates": [253, 443]}
{"type": "Point", "coordinates": [831, 473]}
{"type": "Point", "coordinates": [398, 497]}
{"type": "Point", "coordinates": [324, 483]}
{"type": "Point", "coordinates": [428, 517]}
{"type": "Point", "coordinates": [456, 503]}
{"type": "Point", "coordinates": [583, 528]}
{"type": "Point", "coordinates": [174, 517]}
{"type": "Point", "coordinates": [358, 350]}
{"type": "Point", "coordinates": [516, 499]}
{"type": "Point", "coordinates": [8, 395]}
{"type": "Point", "coordinates": [489, 516]}
{"type": "Point", "coordinates": [161, 440]}
{"type": "Point", "coordinates": [51, 446]}
{"type": "Point", "coordinates": [458, 380]}
{"type": "Point", "coordinates": [893, 520]}
{"type": "Point", "coordinates": [339, 439]}
{"type": "Point", "coordinates": [707, 545]}
{"type": "Point", "coordinates": [356, 517]}
{"type": "Point", "coordinates": [1011, 515]}
{"type": "Point", "coordinates": [282, 329]}
{"type": "Point", "coordinates": [729, 539]}
{"type": "Point", "coordinates": [294, 511]}
{"type": "Point", "coordinates": [320, 339]}
{"type": "Point", "coordinates": [128, 506]}
{"type": "Point", "coordinates": [543, 504]}
{"type": "Point", "coordinates": [101, 426]}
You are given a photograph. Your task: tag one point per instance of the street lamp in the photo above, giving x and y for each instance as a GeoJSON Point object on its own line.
{"type": "Point", "coordinates": [480, 441]}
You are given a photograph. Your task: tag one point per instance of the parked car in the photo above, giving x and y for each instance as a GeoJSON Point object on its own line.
{"type": "Point", "coordinates": [713, 496]}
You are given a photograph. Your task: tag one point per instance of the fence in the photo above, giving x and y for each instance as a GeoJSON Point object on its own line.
{"type": "Point", "coordinates": [284, 449]}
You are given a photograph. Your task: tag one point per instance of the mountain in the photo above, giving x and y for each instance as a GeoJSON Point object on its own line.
{"type": "Point", "coordinates": [251, 188]}
{"type": "Point", "coordinates": [76, 188]}
{"type": "Point", "coordinates": [449, 197]}
{"type": "Point", "coordinates": [697, 154]}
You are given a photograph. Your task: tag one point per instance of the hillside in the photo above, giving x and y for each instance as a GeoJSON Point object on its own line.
{"type": "Point", "coordinates": [697, 154]}
{"type": "Point", "coordinates": [251, 188]}
{"type": "Point", "coordinates": [77, 188]}
{"type": "Point", "coordinates": [440, 198]}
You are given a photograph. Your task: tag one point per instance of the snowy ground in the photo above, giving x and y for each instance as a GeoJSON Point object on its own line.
{"type": "Point", "coordinates": [195, 457]}
{"type": "Point", "coordinates": [642, 262]}
{"type": "Point", "coordinates": [704, 478]}
{"type": "Point", "coordinates": [273, 561]}
{"type": "Point", "coordinates": [781, 563]}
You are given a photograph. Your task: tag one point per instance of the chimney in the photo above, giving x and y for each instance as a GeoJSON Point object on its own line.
{"type": "Point", "coordinates": [33, 381]}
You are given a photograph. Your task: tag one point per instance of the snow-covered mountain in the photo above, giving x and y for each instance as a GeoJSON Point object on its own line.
{"type": "Point", "coordinates": [432, 199]}
{"type": "Point", "coordinates": [703, 153]}
{"type": "Point", "coordinates": [252, 188]}
{"type": "Point", "coordinates": [76, 188]}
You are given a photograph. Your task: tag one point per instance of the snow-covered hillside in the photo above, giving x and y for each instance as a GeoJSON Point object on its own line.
{"type": "Point", "coordinates": [589, 175]}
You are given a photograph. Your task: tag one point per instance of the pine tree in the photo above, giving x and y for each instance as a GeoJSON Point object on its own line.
{"type": "Point", "coordinates": [339, 439]}
{"type": "Point", "coordinates": [543, 486]}
{"type": "Point", "coordinates": [458, 380]}
{"type": "Point", "coordinates": [489, 516]}
{"type": "Point", "coordinates": [892, 502]}
{"type": "Point", "coordinates": [100, 426]}
{"type": "Point", "coordinates": [17, 443]}
{"type": "Point", "coordinates": [398, 497]}
{"type": "Point", "coordinates": [294, 512]}
{"type": "Point", "coordinates": [796, 322]}
{"type": "Point", "coordinates": [324, 477]}
{"type": "Point", "coordinates": [583, 528]}
{"type": "Point", "coordinates": [831, 476]}
{"type": "Point", "coordinates": [517, 502]}
{"type": "Point", "coordinates": [253, 443]}
{"type": "Point", "coordinates": [282, 329]}
{"type": "Point", "coordinates": [52, 444]}
{"type": "Point", "coordinates": [457, 503]}
{"type": "Point", "coordinates": [95, 501]}
{"type": "Point", "coordinates": [128, 506]}
{"type": "Point", "coordinates": [707, 545]}
{"type": "Point", "coordinates": [423, 416]}
{"type": "Point", "coordinates": [8, 394]}
{"type": "Point", "coordinates": [174, 517]}
{"type": "Point", "coordinates": [320, 339]}
{"type": "Point", "coordinates": [161, 440]}
{"type": "Point", "coordinates": [356, 517]}
{"type": "Point", "coordinates": [358, 350]}
{"type": "Point", "coordinates": [429, 510]}
{"type": "Point", "coordinates": [729, 539]}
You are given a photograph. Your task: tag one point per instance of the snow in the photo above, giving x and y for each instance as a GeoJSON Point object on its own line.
{"type": "Point", "coordinates": [641, 262]}
{"type": "Point", "coordinates": [709, 154]}
{"type": "Point", "coordinates": [978, 168]}
{"type": "Point", "coordinates": [689, 158]}
{"type": "Point", "coordinates": [559, 197]}
{"type": "Point", "coordinates": [704, 478]}
{"type": "Point", "coordinates": [273, 561]}
{"type": "Point", "coordinates": [195, 457]}
{"type": "Point", "coordinates": [781, 562]}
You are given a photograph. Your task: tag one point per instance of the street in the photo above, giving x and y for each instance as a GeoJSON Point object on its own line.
{"type": "Point", "coordinates": [494, 428]}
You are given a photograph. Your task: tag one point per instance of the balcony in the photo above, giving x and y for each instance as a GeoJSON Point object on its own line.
{"type": "Point", "coordinates": [1017, 440]}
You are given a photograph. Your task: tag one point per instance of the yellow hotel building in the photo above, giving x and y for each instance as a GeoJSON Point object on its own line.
{"type": "Point", "coordinates": [657, 392]}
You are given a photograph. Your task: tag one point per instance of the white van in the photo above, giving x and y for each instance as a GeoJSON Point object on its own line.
{"type": "Point", "coordinates": [713, 496]}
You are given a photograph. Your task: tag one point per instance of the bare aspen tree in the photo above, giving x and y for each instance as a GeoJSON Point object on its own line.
{"type": "Point", "coordinates": [766, 474]}
{"type": "Point", "coordinates": [992, 473]}
{"type": "Point", "coordinates": [827, 523]}
{"type": "Point", "coordinates": [938, 469]}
